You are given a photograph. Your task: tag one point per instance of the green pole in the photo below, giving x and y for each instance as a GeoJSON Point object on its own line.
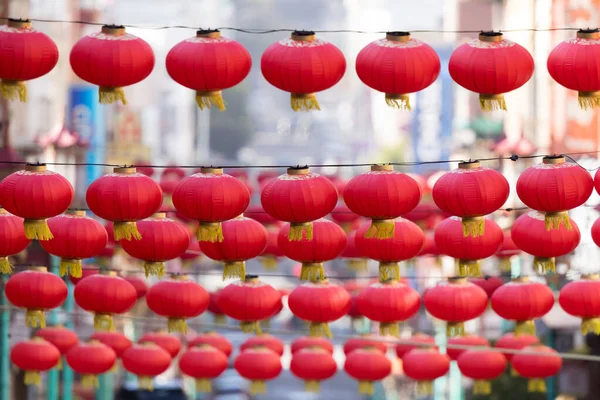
{"type": "Point", "coordinates": [439, 385]}
{"type": "Point", "coordinates": [105, 389]}
{"type": "Point", "coordinates": [4, 345]}
{"type": "Point", "coordinates": [53, 374]}
{"type": "Point", "coordinates": [67, 392]}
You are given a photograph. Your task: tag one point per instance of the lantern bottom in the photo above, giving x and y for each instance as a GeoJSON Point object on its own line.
{"type": "Point", "coordinates": [525, 328]}
{"type": "Point", "coordinates": [544, 265]}
{"type": "Point", "coordinates": [398, 101]}
{"type": "Point", "coordinates": [358, 264]}
{"type": "Point", "coordinates": [482, 387]}
{"type": "Point", "coordinates": [5, 267]}
{"type": "Point", "coordinates": [89, 381]}
{"type": "Point", "coordinates": [389, 271]}
{"type": "Point", "coordinates": [312, 386]}
{"type": "Point", "coordinates": [33, 378]}
{"type": "Point", "coordinates": [454, 329]}
{"type": "Point", "coordinates": [37, 229]}
{"type": "Point", "coordinates": [13, 90]}
{"type": "Point", "coordinates": [304, 102]}
{"type": "Point", "coordinates": [587, 100]}
{"type": "Point", "coordinates": [366, 387]}
{"type": "Point", "coordinates": [103, 322]}
{"type": "Point", "coordinates": [590, 325]}
{"type": "Point", "coordinates": [320, 329]}
{"type": "Point", "coordinates": [210, 232]}
{"type": "Point", "coordinates": [381, 229]}
{"type": "Point", "coordinates": [469, 268]}
{"type": "Point", "coordinates": [234, 269]}
{"type": "Point", "coordinates": [109, 95]}
{"type": "Point", "coordinates": [491, 102]}
{"type": "Point", "coordinates": [203, 385]}
{"type": "Point", "coordinates": [250, 327]}
{"type": "Point", "coordinates": [35, 319]}
{"type": "Point", "coordinates": [313, 272]}
{"type": "Point", "coordinates": [425, 388]}
{"type": "Point", "coordinates": [70, 265]}
{"type": "Point", "coordinates": [126, 230]}
{"type": "Point", "coordinates": [554, 220]}
{"type": "Point", "coordinates": [154, 268]}
{"type": "Point", "coordinates": [473, 226]}
{"type": "Point", "coordinates": [145, 383]}
{"type": "Point", "coordinates": [389, 328]}
{"type": "Point", "coordinates": [300, 230]}
{"type": "Point", "coordinates": [177, 325]}
{"type": "Point", "coordinates": [206, 100]}
{"type": "Point", "coordinates": [536, 386]}
{"type": "Point", "coordinates": [269, 262]}
{"type": "Point", "coordinates": [258, 387]}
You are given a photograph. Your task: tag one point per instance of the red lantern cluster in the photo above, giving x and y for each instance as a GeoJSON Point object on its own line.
{"type": "Point", "coordinates": [264, 340]}
{"type": "Point", "coordinates": [537, 363]}
{"type": "Point", "coordinates": [62, 338]}
{"type": "Point", "coordinates": [90, 360]}
{"type": "Point", "coordinates": [34, 356]}
{"type": "Point", "coordinates": [212, 339]}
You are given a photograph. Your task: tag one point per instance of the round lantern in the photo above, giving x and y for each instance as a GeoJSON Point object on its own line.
{"type": "Point", "coordinates": [271, 253]}
{"type": "Point", "coordinates": [425, 366]}
{"type": "Point", "coordinates": [90, 360]}
{"type": "Point", "coordinates": [382, 195]}
{"type": "Point", "coordinates": [124, 197]}
{"type": "Point", "coordinates": [403, 349]}
{"type": "Point", "coordinates": [12, 238]}
{"type": "Point", "coordinates": [244, 238]}
{"type": "Point", "coordinates": [203, 363]}
{"type": "Point", "coordinates": [397, 66]}
{"type": "Point", "coordinates": [105, 294]}
{"type": "Point", "coordinates": [299, 197]}
{"type": "Point", "coordinates": [171, 344]}
{"type": "Point", "coordinates": [313, 365]}
{"type": "Point", "coordinates": [489, 283]}
{"type": "Point", "coordinates": [356, 260]}
{"type": "Point", "coordinates": [62, 338]}
{"type": "Point", "coordinates": [112, 59]}
{"type": "Point", "coordinates": [582, 299]}
{"type": "Point", "coordinates": [523, 301]}
{"type": "Point", "coordinates": [146, 361]}
{"type": "Point", "coordinates": [456, 302]}
{"type": "Point", "coordinates": [208, 63]}
{"type": "Point", "coordinates": [367, 365]}
{"type": "Point", "coordinates": [353, 312]}
{"type": "Point", "coordinates": [507, 250]}
{"type": "Point", "coordinates": [510, 341]}
{"type": "Point", "coordinates": [304, 342]}
{"type": "Point", "coordinates": [319, 303]}
{"type": "Point", "coordinates": [467, 340]}
{"type": "Point", "coordinates": [75, 237]}
{"type": "Point", "coordinates": [469, 250]}
{"type": "Point", "coordinates": [34, 356]}
{"type": "Point", "coordinates": [264, 340]}
{"type": "Point", "coordinates": [214, 309]}
{"type": "Point", "coordinates": [53, 194]}
{"type": "Point", "coordinates": [139, 285]}
{"type": "Point", "coordinates": [249, 302]}
{"type": "Point", "coordinates": [258, 365]}
{"type": "Point", "coordinates": [365, 342]}
{"type": "Point", "coordinates": [303, 65]}
{"type": "Point", "coordinates": [177, 299]}
{"type": "Point", "coordinates": [537, 363]}
{"type": "Point", "coordinates": [568, 64]}
{"type": "Point", "coordinates": [530, 235]}
{"type": "Point", "coordinates": [36, 290]}
{"type": "Point", "coordinates": [115, 340]}
{"type": "Point", "coordinates": [213, 339]}
{"type": "Point", "coordinates": [483, 66]}
{"type": "Point", "coordinates": [482, 366]}
{"type": "Point", "coordinates": [211, 197]}
{"type": "Point", "coordinates": [554, 187]}
{"type": "Point", "coordinates": [596, 232]}
{"type": "Point", "coordinates": [328, 243]}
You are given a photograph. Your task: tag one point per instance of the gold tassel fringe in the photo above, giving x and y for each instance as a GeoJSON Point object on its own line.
{"type": "Point", "coordinates": [366, 387]}
{"type": "Point", "coordinates": [235, 269]}
{"type": "Point", "coordinates": [358, 264]}
{"type": "Point", "coordinates": [103, 322]}
{"type": "Point", "coordinates": [525, 328]}
{"type": "Point", "coordinates": [389, 271]}
{"type": "Point", "coordinates": [177, 325]}
{"type": "Point", "coordinates": [513, 372]}
{"type": "Point", "coordinates": [536, 386]}
{"type": "Point", "coordinates": [258, 387]}
{"type": "Point", "coordinates": [389, 328]}
{"type": "Point", "coordinates": [320, 329]}
{"type": "Point", "coordinates": [474, 226]}
{"type": "Point", "coordinates": [126, 230]}
{"type": "Point", "coordinates": [89, 381]}
{"type": "Point", "coordinates": [454, 329]}
{"type": "Point", "coordinates": [544, 265]}
{"type": "Point", "coordinates": [115, 368]}
{"type": "Point", "coordinates": [482, 387]}
{"type": "Point", "coordinates": [5, 267]}
{"type": "Point", "coordinates": [301, 231]}
{"type": "Point", "coordinates": [210, 232]}
{"type": "Point", "coordinates": [381, 229]}
{"type": "Point", "coordinates": [312, 272]}
{"type": "Point", "coordinates": [35, 319]}
{"type": "Point", "coordinates": [145, 383]}
{"type": "Point", "coordinates": [250, 327]}
{"type": "Point", "coordinates": [13, 90]}
{"type": "Point", "coordinates": [37, 229]}
{"type": "Point", "coordinates": [555, 220]}
{"type": "Point", "coordinates": [70, 265]}
{"type": "Point", "coordinates": [203, 386]}
{"type": "Point", "coordinates": [312, 386]}
{"type": "Point", "coordinates": [492, 102]}
{"type": "Point", "coordinates": [589, 100]}
{"type": "Point", "coordinates": [154, 268]}
{"type": "Point", "coordinates": [398, 101]}
{"type": "Point", "coordinates": [304, 102]}
{"type": "Point", "coordinates": [33, 378]}
{"type": "Point", "coordinates": [425, 388]}
{"type": "Point", "coordinates": [59, 364]}
{"type": "Point", "coordinates": [206, 100]}
{"type": "Point", "coordinates": [269, 262]}
{"type": "Point", "coordinates": [469, 268]}
{"type": "Point", "coordinates": [590, 325]}
{"type": "Point", "coordinates": [109, 95]}
{"type": "Point", "coordinates": [505, 264]}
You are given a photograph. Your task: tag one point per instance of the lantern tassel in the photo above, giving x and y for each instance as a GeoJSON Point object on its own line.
{"type": "Point", "coordinates": [358, 264]}
{"type": "Point", "coordinates": [33, 378]}
{"type": "Point", "coordinates": [203, 386]}
{"type": "Point", "coordinates": [5, 266]}
{"type": "Point", "coordinates": [492, 102]}
{"type": "Point", "coordinates": [589, 100]}
{"type": "Point", "coordinates": [220, 319]}
{"type": "Point", "coordinates": [389, 328]}
{"type": "Point", "coordinates": [312, 272]}
{"type": "Point", "coordinates": [89, 381]}
{"type": "Point", "coordinates": [114, 369]}
{"type": "Point", "coordinates": [154, 268]}
{"type": "Point", "coordinates": [425, 388]}
{"type": "Point", "coordinates": [469, 268]}
{"type": "Point", "coordinates": [103, 322]}
{"type": "Point", "coordinates": [177, 325]}
{"type": "Point", "coordinates": [473, 226]}
{"type": "Point", "coordinates": [59, 364]}
{"type": "Point", "coordinates": [544, 265]}
{"type": "Point", "coordinates": [235, 269]}
{"type": "Point", "coordinates": [536, 386]}
{"type": "Point", "coordinates": [381, 229]}
{"type": "Point", "coordinates": [389, 271]}
{"type": "Point", "coordinates": [304, 102]}
{"type": "Point", "coordinates": [206, 100]}
{"type": "Point", "coordinates": [590, 325]}
{"type": "Point", "coordinates": [269, 262]}
{"type": "Point", "coordinates": [109, 95]}
{"type": "Point", "coordinates": [35, 319]}
{"type": "Point", "coordinates": [37, 229]}
{"type": "Point", "coordinates": [398, 101]}
{"type": "Point", "coordinates": [505, 264]}
{"type": "Point", "coordinates": [312, 386]}
{"type": "Point", "coordinates": [513, 372]}
{"type": "Point", "coordinates": [366, 387]}
{"type": "Point", "coordinates": [525, 328]}
{"type": "Point", "coordinates": [126, 230]}
{"type": "Point", "coordinates": [258, 387]}
{"type": "Point", "coordinates": [210, 232]}
{"type": "Point", "coordinates": [482, 387]}
{"type": "Point", "coordinates": [70, 265]}
{"type": "Point", "coordinates": [299, 231]}
{"type": "Point", "coordinates": [320, 329]}
{"type": "Point", "coordinates": [250, 327]}
{"type": "Point", "coordinates": [145, 383]}
{"type": "Point", "coordinates": [13, 90]}
{"type": "Point", "coordinates": [554, 220]}
{"type": "Point", "coordinates": [454, 329]}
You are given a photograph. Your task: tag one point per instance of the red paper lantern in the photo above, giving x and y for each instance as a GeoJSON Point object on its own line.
{"type": "Point", "coordinates": [353, 312]}
{"type": "Point", "coordinates": [203, 364]}
{"type": "Point", "coordinates": [75, 237]}
{"type": "Point", "coordinates": [328, 243]}
{"type": "Point", "coordinates": [52, 196]}
{"type": "Point", "coordinates": [313, 365]}
{"type": "Point", "coordinates": [523, 301]}
{"type": "Point", "coordinates": [469, 250]}
{"type": "Point", "coordinates": [305, 342]}
{"type": "Point", "coordinates": [115, 340]}
{"type": "Point", "coordinates": [211, 197]}
{"type": "Point", "coordinates": [146, 361]}
{"type": "Point", "coordinates": [510, 341]}
{"type": "Point", "coordinates": [596, 232]}
{"type": "Point", "coordinates": [212, 339]}
{"type": "Point", "coordinates": [264, 340]}
{"type": "Point", "coordinates": [139, 284]}
{"type": "Point", "coordinates": [214, 309]}
{"type": "Point", "coordinates": [34, 356]}
{"type": "Point", "coordinates": [430, 248]}
{"type": "Point", "coordinates": [364, 342]}
{"type": "Point", "coordinates": [12, 239]}
{"type": "Point", "coordinates": [208, 63]}
{"type": "Point", "coordinates": [319, 303]}
{"type": "Point", "coordinates": [26, 54]}
{"type": "Point", "coordinates": [367, 366]}
{"type": "Point", "coordinates": [124, 197]}
{"type": "Point", "coordinates": [163, 239]}
{"type": "Point", "coordinates": [489, 284]}
{"type": "Point", "coordinates": [345, 218]}
{"type": "Point", "coordinates": [244, 238]}
{"type": "Point", "coordinates": [249, 302]}
{"type": "Point", "coordinates": [582, 299]}
{"type": "Point", "coordinates": [90, 360]}
{"type": "Point", "coordinates": [537, 363]}
{"type": "Point", "coordinates": [270, 255]}
{"type": "Point", "coordinates": [467, 340]}
{"type": "Point", "coordinates": [86, 270]}
{"type": "Point", "coordinates": [554, 187]}
{"type": "Point", "coordinates": [491, 66]}
{"type": "Point", "coordinates": [425, 366]}
{"type": "Point", "coordinates": [507, 250]}
{"type": "Point", "coordinates": [62, 338]}
{"type": "Point", "coordinates": [397, 66]}
{"type": "Point", "coordinates": [36, 290]}
{"type": "Point", "coordinates": [299, 197]}
{"type": "Point", "coordinates": [482, 366]}
{"type": "Point", "coordinates": [112, 59]}
{"type": "Point", "coordinates": [455, 301]}
{"type": "Point", "coordinates": [568, 64]}
{"type": "Point", "coordinates": [168, 342]}
{"type": "Point", "coordinates": [303, 65]}
{"type": "Point", "coordinates": [258, 365]}
{"type": "Point", "coordinates": [403, 349]}
{"type": "Point", "coordinates": [356, 260]}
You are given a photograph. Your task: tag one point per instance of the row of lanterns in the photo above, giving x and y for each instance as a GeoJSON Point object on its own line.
{"type": "Point", "coordinates": [209, 63]}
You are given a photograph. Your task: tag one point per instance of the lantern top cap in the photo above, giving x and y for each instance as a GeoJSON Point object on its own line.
{"type": "Point", "coordinates": [116, 30]}
{"type": "Point", "coordinates": [491, 36]}
{"type": "Point", "coordinates": [469, 164]}
{"type": "Point", "coordinates": [38, 269]}
{"type": "Point", "coordinates": [389, 281]}
{"type": "Point", "coordinates": [520, 279]}
{"type": "Point", "coordinates": [457, 280]}
{"type": "Point", "coordinates": [75, 212]}
{"type": "Point", "coordinates": [211, 170]}
{"type": "Point", "coordinates": [588, 33]}
{"type": "Point", "coordinates": [303, 36]}
{"type": "Point", "coordinates": [298, 170]}
{"type": "Point", "coordinates": [179, 277]}
{"type": "Point", "coordinates": [554, 159]}
{"type": "Point", "coordinates": [107, 272]}
{"type": "Point", "coordinates": [397, 36]}
{"type": "Point", "coordinates": [127, 170]}
{"type": "Point", "coordinates": [382, 167]}
{"type": "Point", "coordinates": [251, 279]}
{"type": "Point", "coordinates": [35, 167]}
{"type": "Point", "coordinates": [208, 33]}
{"type": "Point", "coordinates": [19, 23]}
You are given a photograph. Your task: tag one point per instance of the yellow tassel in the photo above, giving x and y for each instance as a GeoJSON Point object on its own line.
{"type": "Point", "coordinates": [220, 319]}
{"type": "Point", "coordinates": [525, 328]}
{"type": "Point", "coordinates": [145, 383]}
{"type": "Point", "coordinates": [389, 328]}
{"type": "Point", "coordinates": [473, 226]}
{"type": "Point", "coordinates": [492, 102]}
{"type": "Point", "coordinates": [13, 90]}
{"type": "Point", "coordinates": [250, 327]}
{"type": "Point", "coordinates": [72, 265]}
{"type": "Point", "coordinates": [358, 264]}
{"type": "Point", "coordinates": [366, 387]}
{"type": "Point", "coordinates": [513, 372]}
{"type": "Point", "coordinates": [301, 231]}
{"type": "Point", "coordinates": [35, 319]}
{"type": "Point", "coordinates": [235, 269]}
{"type": "Point", "coordinates": [389, 271]}
{"type": "Point", "coordinates": [209, 99]}
{"type": "Point", "coordinates": [177, 325]}
{"type": "Point", "coordinates": [269, 262]}
{"type": "Point", "coordinates": [589, 100]}
{"type": "Point", "coordinates": [203, 386]}
{"type": "Point", "coordinates": [536, 386]}
{"type": "Point", "coordinates": [482, 387]}
{"type": "Point", "coordinates": [505, 264]}
{"type": "Point", "coordinates": [556, 219]}
{"type": "Point", "coordinates": [59, 364]}
{"type": "Point", "coordinates": [544, 265]}
{"type": "Point", "coordinates": [454, 329]}
{"type": "Point", "coordinates": [114, 369]}
{"type": "Point", "coordinates": [103, 322]}
{"type": "Point", "coordinates": [89, 381]}
{"type": "Point", "coordinates": [109, 95]}
{"type": "Point", "coordinates": [154, 268]}
{"type": "Point", "coordinates": [590, 325]}
{"type": "Point", "coordinates": [210, 232]}
{"type": "Point", "coordinates": [258, 387]}
{"type": "Point", "coordinates": [320, 329]}
{"type": "Point", "coordinates": [425, 388]}
{"type": "Point", "coordinates": [381, 229]}
{"type": "Point", "coordinates": [5, 267]}
{"type": "Point", "coordinates": [126, 230]}
{"type": "Point", "coordinates": [312, 272]}
{"type": "Point", "coordinates": [304, 102]}
{"type": "Point", "coordinates": [33, 378]}
{"type": "Point", "coordinates": [312, 386]}
{"type": "Point", "coordinates": [469, 268]}
{"type": "Point", "coordinates": [37, 229]}
{"type": "Point", "coordinates": [398, 101]}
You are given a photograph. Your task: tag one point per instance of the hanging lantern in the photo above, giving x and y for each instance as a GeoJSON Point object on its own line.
{"type": "Point", "coordinates": [345, 218]}
{"type": "Point", "coordinates": [75, 237]}
{"type": "Point", "coordinates": [382, 195]}
{"type": "Point", "coordinates": [62, 338]}
{"type": "Point", "coordinates": [12, 239]}
{"type": "Point", "coordinates": [53, 194]}
{"type": "Point", "coordinates": [36, 290]}
{"type": "Point", "coordinates": [105, 294]}
{"type": "Point", "coordinates": [203, 363]}
{"type": "Point", "coordinates": [507, 250]}
{"type": "Point", "coordinates": [244, 238]}
{"type": "Point", "coordinates": [537, 363]}
{"type": "Point", "coordinates": [171, 344]}
{"type": "Point", "coordinates": [425, 366]}
{"type": "Point", "coordinates": [523, 301]}
{"type": "Point", "coordinates": [530, 235]}
{"type": "Point", "coordinates": [212, 339]}
{"type": "Point", "coordinates": [305, 342]}
{"type": "Point", "coordinates": [34, 356]}
{"type": "Point", "coordinates": [554, 187]}
{"type": "Point", "coordinates": [211, 197]}
{"type": "Point", "coordinates": [303, 65]}
{"type": "Point", "coordinates": [397, 66]}
{"type": "Point", "coordinates": [353, 312]}
{"type": "Point", "coordinates": [403, 349]}
{"type": "Point", "coordinates": [569, 65]}
{"type": "Point", "coordinates": [139, 285]}
{"type": "Point", "coordinates": [430, 248]}
{"type": "Point", "coordinates": [483, 66]}
{"type": "Point", "coordinates": [319, 303]}
{"type": "Point", "coordinates": [208, 63]}
{"type": "Point", "coordinates": [124, 197]}
{"type": "Point", "coordinates": [258, 365]}
{"type": "Point", "coordinates": [146, 361]}
{"type": "Point", "coordinates": [596, 232]}
{"type": "Point", "coordinates": [313, 365]}
{"type": "Point", "coordinates": [489, 284]}
{"type": "Point", "coordinates": [456, 302]}
{"type": "Point", "coordinates": [112, 59]}
{"type": "Point", "coordinates": [271, 254]}
{"type": "Point", "coordinates": [299, 197]}
{"type": "Point", "coordinates": [482, 366]}
{"type": "Point", "coordinates": [582, 299]}
{"type": "Point", "coordinates": [264, 340]}
{"type": "Point", "coordinates": [86, 270]}
{"type": "Point", "coordinates": [249, 301]}
{"type": "Point", "coordinates": [388, 303]}
{"type": "Point", "coordinates": [367, 365]}
{"type": "Point", "coordinates": [406, 244]}
{"type": "Point", "coordinates": [469, 250]}
{"type": "Point", "coordinates": [242, 175]}
{"type": "Point", "coordinates": [364, 342]}
{"type": "Point", "coordinates": [214, 309]}
{"type": "Point", "coordinates": [467, 340]}
{"type": "Point", "coordinates": [90, 360]}
{"type": "Point", "coordinates": [510, 341]}
{"type": "Point", "coordinates": [117, 341]}
{"type": "Point", "coordinates": [328, 243]}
